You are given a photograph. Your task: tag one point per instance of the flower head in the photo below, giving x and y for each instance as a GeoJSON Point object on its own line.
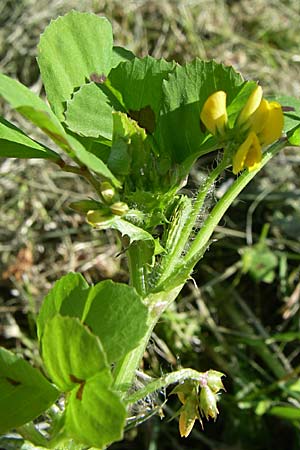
{"type": "Point", "coordinates": [214, 114]}
{"type": "Point", "coordinates": [258, 124]}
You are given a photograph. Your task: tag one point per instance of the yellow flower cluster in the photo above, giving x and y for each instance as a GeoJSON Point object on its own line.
{"type": "Point", "coordinates": [260, 122]}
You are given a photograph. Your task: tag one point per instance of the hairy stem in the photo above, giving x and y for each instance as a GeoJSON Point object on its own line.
{"type": "Point", "coordinates": [173, 259]}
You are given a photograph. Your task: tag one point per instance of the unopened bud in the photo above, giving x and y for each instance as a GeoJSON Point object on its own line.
{"type": "Point", "coordinates": [97, 217]}
{"type": "Point", "coordinates": [208, 403]}
{"type": "Point", "coordinates": [119, 208]}
{"type": "Point", "coordinates": [108, 192]}
{"type": "Point", "coordinates": [214, 380]}
{"type": "Point", "coordinates": [188, 415]}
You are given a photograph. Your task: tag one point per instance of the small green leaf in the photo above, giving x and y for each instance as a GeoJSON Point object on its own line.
{"type": "Point", "coordinates": [126, 228]}
{"type": "Point", "coordinates": [67, 297]}
{"type": "Point", "coordinates": [71, 353]}
{"type": "Point", "coordinates": [71, 49]}
{"type": "Point", "coordinates": [15, 144]}
{"type": "Point", "coordinates": [95, 415]}
{"type": "Point", "coordinates": [116, 313]}
{"type": "Point", "coordinates": [24, 392]}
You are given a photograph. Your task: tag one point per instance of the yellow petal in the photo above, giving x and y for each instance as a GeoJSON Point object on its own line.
{"type": "Point", "coordinates": [273, 124]}
{"type": "Point", "coordinates": [214, 114]}
{"type": "Point", "coordinates": [248, 155]}
{"type": "Point", "coordinates": [251, 105]}
{"type": "Point", "coordinates": [259, 117]}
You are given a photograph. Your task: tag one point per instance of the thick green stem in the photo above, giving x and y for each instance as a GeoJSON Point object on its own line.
{"type": "Point", "coordinates": [125, 369]}
{"type": "Point", "coordinates": [139, 259]}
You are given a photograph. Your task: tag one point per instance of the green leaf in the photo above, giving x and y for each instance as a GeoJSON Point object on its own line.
{"type": "Point", "coordinates": [34, 109]}
{"type": "Point", "coordinates": [121, 54]}
{"type": "Point", "coordinates": [291, 118]}
{"type": "Point", "coordinates": [71, 49]}
{"type": "Point", "coordinates": [126, 228]}
{"type": "Point", "coordinates": [30, 106]}
{"type": "Point", "coordinates": [89, 112]}
{"type": "Point", "coordinates": [95, 416]}
{"type": "Point", "coordinates": [116, 313]}
{"type": "Point", "coordinates": [179, 134]}
{"type": "Point", "coordinates": [24, 392]}
{"type": "Point", "coordinates": [71, 353]}
{"type": "Point", "coordinates": [260, 262]}
{"type": "Point", "coordinates": [140, 84]}
{"type": "Point", "coordinates": [67, 297]}
{"type": "Point", "coordinates": [15, 144]}
{"type": "Point", "coordinates": [135, 85]}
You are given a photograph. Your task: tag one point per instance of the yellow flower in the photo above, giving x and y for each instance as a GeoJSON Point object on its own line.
{"type": "Point", "coordinates": [264, 121]}
{"type": "Point", "coordinates": [259, 123]}
{"type": "Point", "coordinates": [248, 155]}
{"type": "Point", "coordinates": [251, 106]}
{"type": "Point", "coordinates": [271, 128]}
{"type": "Point", "coordinates": [214, 114]}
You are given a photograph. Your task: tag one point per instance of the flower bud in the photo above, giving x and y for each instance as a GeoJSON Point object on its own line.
{"type": "Point", "coordinates": [251, 105]}
{"type": "Point", "coordinates": [208, 403]}
{"type": "Point", "coordinates": [214, 381]}
{"type": "Point", "coordinates": [119, 208]}
{"type": "Point", "coordinates": [214, 114]}
{"type": "Point", "coordinates": [108, 192]}
{"type": "Point", "coordinates": [186, 421]}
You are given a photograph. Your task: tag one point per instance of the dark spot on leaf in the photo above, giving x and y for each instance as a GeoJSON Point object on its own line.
{"type": "Point", "coordinates": [145, 117]}
{"type": "Point", "coordinates": [98, 78]}
{"type": "Point", "coordinates": [13, 382]}
{"type": "Point", "coordinates": [80, 391]}
{"type": "Point", "coordinates": [75, 379]}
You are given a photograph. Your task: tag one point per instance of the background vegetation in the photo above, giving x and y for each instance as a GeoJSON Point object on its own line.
{"type": "Point", "coordinates": [240, 313]}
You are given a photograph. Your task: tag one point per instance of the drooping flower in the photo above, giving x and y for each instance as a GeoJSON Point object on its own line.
{"type": "Point", "coordinates": [248, 155]}
{"type": "Point", "coordinates": [214, 114]}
